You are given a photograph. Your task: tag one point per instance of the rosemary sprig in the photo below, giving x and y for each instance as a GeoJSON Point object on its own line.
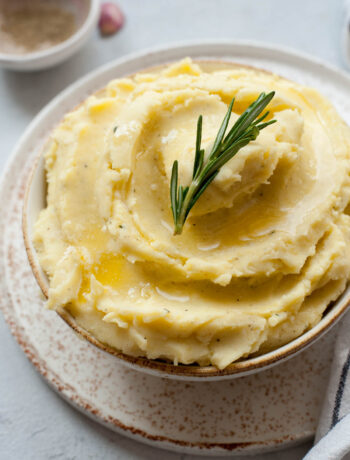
{"type": "Point", "coordinates": [246, 129]}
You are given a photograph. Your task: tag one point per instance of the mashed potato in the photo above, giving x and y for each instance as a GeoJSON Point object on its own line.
{"type": "Point", "coordinates": [264, 250]}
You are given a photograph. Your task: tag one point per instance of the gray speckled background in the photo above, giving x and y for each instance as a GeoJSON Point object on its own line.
{"type": "Point", "coordinates": [35, 424]}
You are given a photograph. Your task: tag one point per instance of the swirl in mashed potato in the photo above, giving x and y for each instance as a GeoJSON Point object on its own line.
{"type": "Point", "coordinates": [264, 251]}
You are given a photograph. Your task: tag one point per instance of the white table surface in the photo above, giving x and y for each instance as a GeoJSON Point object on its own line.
{"type": "Point", "coordinates": [34, 422]}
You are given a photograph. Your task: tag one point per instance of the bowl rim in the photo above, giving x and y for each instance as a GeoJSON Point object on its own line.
{"type": "Point", "coordinates": [334, 311]}
{"type": "Point", "coordinates": [81, 31]}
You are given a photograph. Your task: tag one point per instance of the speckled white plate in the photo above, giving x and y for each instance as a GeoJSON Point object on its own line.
{"type": "Point", "coordinates": [272, 409]}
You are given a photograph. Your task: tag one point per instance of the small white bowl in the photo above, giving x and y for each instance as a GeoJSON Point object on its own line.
{"type": "Point", "coordinates": [86, 13]}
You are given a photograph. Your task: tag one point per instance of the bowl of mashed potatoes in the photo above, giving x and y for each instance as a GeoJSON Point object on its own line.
{"type": "Point", "coordinates": [262, 266]}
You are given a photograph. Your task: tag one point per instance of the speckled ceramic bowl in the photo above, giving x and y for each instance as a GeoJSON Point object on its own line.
{"type": "Point", "coordinates": [34, 201]}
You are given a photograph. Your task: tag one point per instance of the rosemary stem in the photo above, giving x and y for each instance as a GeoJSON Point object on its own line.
{"type": "Point", "coordinates": [182, 216]}
{"type": "Point", "coordinates": [245, 130]}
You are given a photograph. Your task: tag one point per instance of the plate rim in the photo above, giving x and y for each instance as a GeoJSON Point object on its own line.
{"type": "Point", "coordinates": [273, 51]}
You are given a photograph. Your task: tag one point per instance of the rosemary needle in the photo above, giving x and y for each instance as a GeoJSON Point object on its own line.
{"type": "Point", "coordinates": [246, 129]}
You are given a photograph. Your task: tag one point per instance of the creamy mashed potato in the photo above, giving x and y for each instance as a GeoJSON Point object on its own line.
{"type": "Point", "coordinates": [264, 250]}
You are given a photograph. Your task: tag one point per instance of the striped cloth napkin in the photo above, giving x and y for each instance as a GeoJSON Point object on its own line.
{"type": "Point", "coordinates": [332, 440]}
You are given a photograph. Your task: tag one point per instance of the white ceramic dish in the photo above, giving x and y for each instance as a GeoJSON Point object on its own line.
{"type": "Point", "coordinates": [261, 412]}
{"type": "Point", "coordinates": [86, 13]}
{"type": "Point", "coordinates": [35, 201]}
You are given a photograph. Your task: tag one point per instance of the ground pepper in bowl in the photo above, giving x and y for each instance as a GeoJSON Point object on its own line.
{"type": "Point", "coordinates": [34, 26]}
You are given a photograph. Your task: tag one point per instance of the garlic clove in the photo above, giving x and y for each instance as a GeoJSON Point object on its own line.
{"type": "Point", "coordinates": [111, 19]}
